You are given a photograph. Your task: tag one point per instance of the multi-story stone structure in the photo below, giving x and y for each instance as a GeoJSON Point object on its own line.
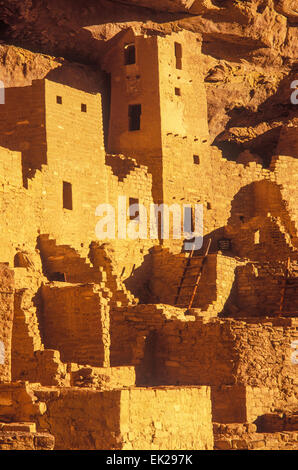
{"type": "Point", "coordinates": [94, 322]}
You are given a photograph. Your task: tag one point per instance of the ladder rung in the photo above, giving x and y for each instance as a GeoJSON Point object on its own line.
{"type": "Point", "coordinates": [294, 314]}
{"type": "Point", "coordinates": [183, 299]}
{"type": "Point", "coordinates": [183, 305]}
{"type": "Point", "coordinates": [187, 285]}
{"type": "Point", "coordinates": [192, 267]}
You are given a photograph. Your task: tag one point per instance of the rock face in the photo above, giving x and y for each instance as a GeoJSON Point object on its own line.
{"type": "Point", "coordinates": [118, 335]}
{"type": "Point", "coordinates": [249, 54]}
{"type": "Point", "coordinates": [168, 5]}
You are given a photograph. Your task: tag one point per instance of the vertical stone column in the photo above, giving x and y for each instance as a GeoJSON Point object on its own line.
{"type": "Point", "coordinates": [6, 321]}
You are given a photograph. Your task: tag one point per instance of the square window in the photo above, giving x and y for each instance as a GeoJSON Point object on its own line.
{"type": "Point", "coordinates": [59, 99]}
{"type": "Point", "coordinates": [67, 195]}
{"type": "Point", "coordinates": [196, 159]}
{"type": "Point", "coordinates": [84, 108]}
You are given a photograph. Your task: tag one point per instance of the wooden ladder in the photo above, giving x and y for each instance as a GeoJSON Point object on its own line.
{"type": "Point", "coordinates": [188, 267]}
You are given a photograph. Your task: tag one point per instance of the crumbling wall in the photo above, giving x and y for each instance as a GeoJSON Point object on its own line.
{"type": "Point", "coordinates": [180, 349]}
{"type": "Point", "coordinates": [75, 322]}
{"type": "Point", "coordinates": [23, 436]}
{"type": "Point", "coordinates": [22, 120]}
{"type": "Point", "coordinates": [259, 288]}
{"type": "Point", "coordinates": [6, 321]}
{"type": "Point", "coordinates": [229, 352]}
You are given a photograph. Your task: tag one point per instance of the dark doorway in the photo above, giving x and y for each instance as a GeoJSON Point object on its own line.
{"type": "Point", "coordinates": [134, 114]}
{"type": "Point", "coordinates": [67, 195]}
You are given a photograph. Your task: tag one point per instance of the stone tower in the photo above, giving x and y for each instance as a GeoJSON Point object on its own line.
{"type": "Point", "coordinates": [158, 110]}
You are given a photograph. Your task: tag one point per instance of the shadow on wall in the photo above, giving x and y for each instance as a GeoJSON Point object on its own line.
{"type": "Point", "coordinates": [263, 145]}
{"type": "Point", "coordinates": [20, 127]}
{"type": "Point", "coordinates": [121, 167]}
{"type": "Point", "coordinates": [147, 371]}
{"type": "Point", "coordinates": [258, 290]}
{"type": "Point", "coordinates": [259, 199]}
{"type": "Point", "coordinates": [139, 283]}
{"type": "Point", "coordinates": [258, 206]}
{"type": "Point", "coordinates": [90, 80]}
{"type": "Point", "coordinates": [86, 78]}
{"type": "Point", "coordinates": [157, 279]}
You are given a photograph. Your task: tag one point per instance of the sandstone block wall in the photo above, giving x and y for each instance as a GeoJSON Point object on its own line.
{"type": "Point", "coordinates": [135, 84]}
{"type": "Point", "coordinates": [216, 290]}
{"type": "Point", "coordinates": [75, 322]}
{"type": "Point", "coordinates": [6, 321]}
{"type": "Point", "coordinates": [170, 350]}
{"type": "Point", "coordinates": [166, 418]}
{"type": "Point", "coordinates": [18, 437]}
{"type": "Point", "coordinates": [242, 403]}
{"type": "Point", "coordinates": [22, 119]}
{"type": "Point", "coordinates": [133, 419]}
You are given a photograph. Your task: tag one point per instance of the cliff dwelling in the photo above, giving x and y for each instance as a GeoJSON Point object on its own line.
{"type": "Point", "coordinates": [149, 225]}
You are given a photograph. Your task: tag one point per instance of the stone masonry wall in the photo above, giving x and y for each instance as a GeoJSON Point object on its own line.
{"type": "Point", "coordinates": [133, 419]}
{"type": "Point", "coordinates": [168, 348]}
{"type": "Point", "coordinates": [75, 322]}
{"type": "Point", "coordinates": [6, 321]}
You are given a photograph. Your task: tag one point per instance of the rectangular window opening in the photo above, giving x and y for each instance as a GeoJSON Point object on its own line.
{"type": "Point", "coordinates": [177, 92]}
{"type": "Point", "coordinates": [189, 220]}
{"type": "Point", "coordinates": [257, 237]}
{"type": "Point", "coordinates": [129, 54]}
{"type": "Point", "coordinates": [59, 99]}
{"type": "Point", "coordinates": [84, 108]}
{"type": "Point", "coordinates": [134, 213]}
{"type": "Point", "coordinates": [134, 115]}
{"type": "Point", "coordinates": [196, 159]}
{"type": "Point", "coordinates": [67, 195]}
{"type": "Point", "coordinates": [178, 55]}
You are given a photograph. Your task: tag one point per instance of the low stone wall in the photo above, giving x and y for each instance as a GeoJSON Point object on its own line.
{"type": "Point", "coordinates": [244, 437]}
{"type": "Point", "coordinates": [167, 418]}
{"type": "Point", "coordinates": [136, 418]}
{"type": "Point", "coordinates": [23, 436]}
{"type": "Point", "coordinates": [241, 403]}
{"type": "Point", "coordinates": [168, 347]}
